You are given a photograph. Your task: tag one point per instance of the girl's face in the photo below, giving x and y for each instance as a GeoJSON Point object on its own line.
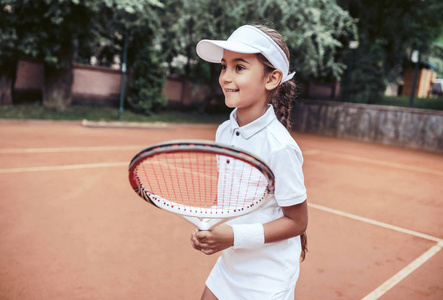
{"type": "Point", "coordinates": [243, 82]}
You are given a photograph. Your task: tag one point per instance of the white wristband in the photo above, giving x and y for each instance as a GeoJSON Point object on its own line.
{"type": "Point", "coordinates": [248, 235]}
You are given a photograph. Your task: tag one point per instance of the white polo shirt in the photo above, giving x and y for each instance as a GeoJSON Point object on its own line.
{"type": "Point", "coordinates": [274, 267]}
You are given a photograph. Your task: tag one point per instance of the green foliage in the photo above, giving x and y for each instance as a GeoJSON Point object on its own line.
{"type": "Point", "coordinates": [8, 36]}
{"type": "Point", "coordinates": [149, 77]}
{"type": "Point", "coordinates": [368, 79]}
{"type": "Point", "coordinates": [314, 29]}
{"type": "Point", "coordinates": [388, 32]}
{"type": "Point", "coordinates": [57, 31]}
{"type": "Point", "coordinates": [139, 20]}
{"type": "Point", "coordinates": [317, 33]}
{"type": "Point", "coordinates": [53, 25]}
{"type": "Point", "coordinates": [114, 19]}
{"type": "Point", "coordinates": [14, 41]}
{"type": "Point", "coordinates": [435, 57]}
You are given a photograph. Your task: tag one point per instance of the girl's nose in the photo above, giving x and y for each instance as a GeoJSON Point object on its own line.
{"type": "Point", "coordinates": [225, 76]}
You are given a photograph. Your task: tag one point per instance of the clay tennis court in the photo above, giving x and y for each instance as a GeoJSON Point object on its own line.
{"type": "Point", "coordinates": [72, 228]}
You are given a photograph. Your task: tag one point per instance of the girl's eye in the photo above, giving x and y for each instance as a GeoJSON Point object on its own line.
{"type": "Point", "coordinates": [223, 67]}
{"type": "Point", "coordinates": [239, 68]}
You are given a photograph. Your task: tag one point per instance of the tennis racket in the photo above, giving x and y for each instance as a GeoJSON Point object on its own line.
{"type": "Point", "coordinates": [204, 182]}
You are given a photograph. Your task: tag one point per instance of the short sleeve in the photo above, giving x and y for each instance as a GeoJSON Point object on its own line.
{"type": "Point", "coordinates": [286, 164]}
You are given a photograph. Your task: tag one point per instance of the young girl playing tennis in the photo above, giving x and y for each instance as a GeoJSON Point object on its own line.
{"type": "Point", "coordinates": [262, 250]}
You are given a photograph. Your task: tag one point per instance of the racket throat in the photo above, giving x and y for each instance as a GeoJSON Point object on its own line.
{"type": "Point", "coordinates": [204, 223]}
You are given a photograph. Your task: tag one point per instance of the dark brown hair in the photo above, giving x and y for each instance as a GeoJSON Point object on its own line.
{"type": "Point", "coordinates": [282, 99]}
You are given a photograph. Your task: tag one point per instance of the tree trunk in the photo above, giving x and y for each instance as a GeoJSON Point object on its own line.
{"type": "Point", "coordinates": [57, 87]}
{"type": "Point", "coordinates": [8, 72]}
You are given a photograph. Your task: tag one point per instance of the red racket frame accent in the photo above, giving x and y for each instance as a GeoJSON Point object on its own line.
{"type": "Point", "coordinates": [190, 212]}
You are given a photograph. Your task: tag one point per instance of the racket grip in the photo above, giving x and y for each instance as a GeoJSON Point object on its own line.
{"type": "Point", "coordinates": [247, 236]}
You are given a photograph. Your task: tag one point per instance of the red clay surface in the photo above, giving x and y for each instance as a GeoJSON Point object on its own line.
{"type": "Point", "coordinates": [72, 228]}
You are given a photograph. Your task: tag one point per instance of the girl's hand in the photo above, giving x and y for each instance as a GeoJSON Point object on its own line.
{"type": "Point", "coordinates": [212, 241]}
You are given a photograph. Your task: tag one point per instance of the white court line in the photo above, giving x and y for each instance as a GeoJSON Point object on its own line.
{"type": "Point", "coordinates": [69, 149]}
{"type": "Point", "coordinates": [377, 223]}
{"type": "Point", "coordinates": [394, 280]}
{"type": "Point", "coordinates": [403, 273]}
{"type": "Point", "coordinates": [306, 153]}
{"type": "Point", "coordinates": [390, 283]}
{"type": "Point", "coordinates": [380, 162]}
{"type": "Point", "coordinates": [66, 167]}
{"type": "Point", "coordinates": [406, 271]}
{"type": "Point", "coordinates": [373, 295]}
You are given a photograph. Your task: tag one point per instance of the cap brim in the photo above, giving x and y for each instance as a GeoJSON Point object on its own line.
{"type": "Point", "coordinates": [212, 51]}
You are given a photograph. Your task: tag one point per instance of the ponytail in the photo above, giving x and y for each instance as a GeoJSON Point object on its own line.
{"type": "Point", "coordinates": [282, 99]}
{"type": "Point", "coordinates": [304, 245]}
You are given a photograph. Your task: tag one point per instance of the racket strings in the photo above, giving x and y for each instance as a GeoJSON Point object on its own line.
{"type": "Point", "coordinates": [202, 181]}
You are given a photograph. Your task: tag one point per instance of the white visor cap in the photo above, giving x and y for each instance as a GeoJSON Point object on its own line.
{"type": "Point", "coordinates": [246, 39]}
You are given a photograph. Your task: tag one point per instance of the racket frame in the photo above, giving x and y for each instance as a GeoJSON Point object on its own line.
{"type": "Point", "coordinates": [190, 213]}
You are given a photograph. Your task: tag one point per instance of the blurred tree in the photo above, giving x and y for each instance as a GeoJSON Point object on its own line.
{"type": "Point", "coordinates": [54, 29]}
{"type": "Point", "coordinates": [389, 31]}
{"type": "Point", "coordinates": [59, 31]}
{"type": "Point", "coordinates": [148, 73]}
{"type": "Point", "coordinates": [314, 29]}
{"type": "Point", "coordinates": [8, 55]}
{"type": "Point", "coordinates": [13, 44]}
{"type": "Point", "coordinates": [184, 24]}
{"type": "Point", "coordinates": [143, 29]}
{"type": "Point", "coordinates": [435, 57]}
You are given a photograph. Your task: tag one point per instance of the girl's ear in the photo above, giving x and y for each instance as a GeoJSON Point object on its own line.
{"type": "Point", "coordinates": [273, 79]}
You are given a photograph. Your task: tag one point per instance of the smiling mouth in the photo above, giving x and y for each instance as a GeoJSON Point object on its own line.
{"type": "Point", "coordinates": [231, 90]}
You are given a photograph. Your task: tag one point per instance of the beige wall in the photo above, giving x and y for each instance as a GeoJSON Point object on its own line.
{"type": "Point", "coordinates": [96, 82]}
{"type": "Point", "coordinates": [29, 75]}
{"type": "Point", "coordinates": [99, 84]}
{"type": "Point", "coordinates": [88, 82]}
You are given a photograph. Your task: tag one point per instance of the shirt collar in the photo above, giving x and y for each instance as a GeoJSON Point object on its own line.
{"type": "Point", "coordinates": [255, 126]}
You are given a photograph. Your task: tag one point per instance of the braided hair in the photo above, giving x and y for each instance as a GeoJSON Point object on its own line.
{"type": "Point", "coordinates": [282, 99]}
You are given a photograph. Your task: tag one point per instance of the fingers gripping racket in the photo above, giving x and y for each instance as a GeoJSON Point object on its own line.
{"type": "Point", "coordinates": [205, 182]}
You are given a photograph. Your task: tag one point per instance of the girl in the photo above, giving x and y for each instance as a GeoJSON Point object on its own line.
{"type": "Point", "coordinates": [260, 251]}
